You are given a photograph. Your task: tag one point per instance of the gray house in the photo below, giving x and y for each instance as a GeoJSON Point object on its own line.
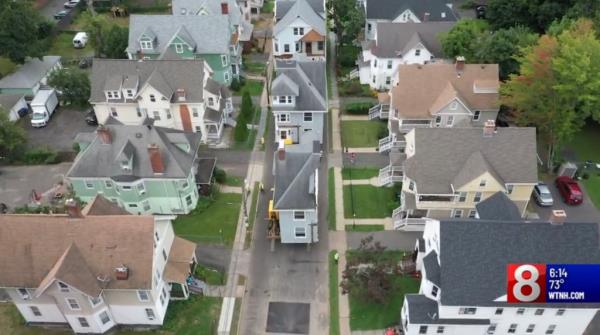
{"type": "Point", "coordinates": [299, 96]}
{"type": "Point", "coordinates": [28, 78]}
{"type": "Point", "coordinates": [295, 196]}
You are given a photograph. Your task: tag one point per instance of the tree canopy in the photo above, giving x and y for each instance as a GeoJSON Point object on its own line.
{"type": "Point", "coordinates": [535, 14]}
{"type": "Point", "coordinates": [348, 19]}
{"type": "Point", "coordinates": [12, 137]}
{"type": "Point", "coordinates": [73, 84]}
{"type": "Point", "coordinates": [20, 30]}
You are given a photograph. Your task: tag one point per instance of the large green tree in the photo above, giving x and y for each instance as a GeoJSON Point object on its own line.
{"type": "Point", "coordinates": [464, 38]}
{"type": "Point", "coordinates": [73, 84]}
{"type": "Point", "coordinates": [348, 19]}
{"type": "Point", "coordinates": [96, 27]}
{"type": "Point", "coordinates": [115, 42]}
{"type": "Point", "coordinates": [535, 14]}
{"type": "Point", "coordinates": [12, 138]}
{"type": "Point", "coordinates": [19, 30]}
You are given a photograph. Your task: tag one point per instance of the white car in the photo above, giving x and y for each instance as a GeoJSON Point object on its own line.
{"type": "Point", "coordinates": [71, 3]}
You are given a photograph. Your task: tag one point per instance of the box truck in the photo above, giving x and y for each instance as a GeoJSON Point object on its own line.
{"type": "Point", "coordinates": [42, 106]}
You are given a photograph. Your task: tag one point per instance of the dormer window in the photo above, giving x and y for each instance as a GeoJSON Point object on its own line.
{"type": "Point", "coordinates": [179, 48]}
{"type": "Point", "coordinates": [113, 95]}
{"type": "Point", "coordinates": [211, 101]}
{"type": "Point", "coordinates": [152, 98]}
{"type": "Point", "coordinates": [129, 93]}
{"type": "Point", "coordinates": [146, 45]}
{"type": "Point", "coordinates": [418, 52]}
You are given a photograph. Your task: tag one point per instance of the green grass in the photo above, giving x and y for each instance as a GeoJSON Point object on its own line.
{"type": "Point", "coordinates": [254, 87]}
{"type": "Point", "coordinates": [592, 186]}
{"type": "Point", "coordinates": [248, 144]}
{"type": "Point", "coordinates": [370, 202]}
{"type": "Point", "coordinates": [268, 6]}
{"type": "Point", "coordinates": [209, 275]}
{"type": "Point", "coordinates": [585, 146]}
{"type": "Point", "coordinates": [233, 181]}
{"type": "Point", "coordinates": [254, 68]}
{"type": "Point", "coordinates": [354, 88]}
{"type": "Point", "coordinates": [252, 215]}
{"type": "Point", "coordinates": [214, 220]}
{"type": "Point", "coordinates": [367, 315]}
{"type": "Point", "coordinates": [365, 228]}
{"type": "Point", "coordinates": [330, 130]}
{"type": "Point", "coordinates": [331, 200]}
{"type": "Point", "coordinates": [362, 134]}
{"type": "Point", "coordinates": [62, 45]}
{"type": "Point", "coordinates": [359, 173]}
{"type": "Point", "coordinates": [6, 66]}
{"type": "Point", "coordinates": [334, 304]}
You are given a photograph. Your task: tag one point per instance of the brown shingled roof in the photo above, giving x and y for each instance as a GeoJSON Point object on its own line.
{"type": "Point", "coordinates": [180, 258]}
{"type": "Point", "coordinates": [420, 88]}
{"type": "Point", "coordinates": [102, 206]}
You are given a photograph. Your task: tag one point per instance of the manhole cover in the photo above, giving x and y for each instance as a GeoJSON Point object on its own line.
{"type": "Point", "coordinates": [286, 317]}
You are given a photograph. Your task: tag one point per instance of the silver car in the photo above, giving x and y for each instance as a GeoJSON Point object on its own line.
{"type": "Point", "coordinates": [542, 195]}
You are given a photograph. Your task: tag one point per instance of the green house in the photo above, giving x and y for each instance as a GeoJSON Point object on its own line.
{"type": "Point", "coordinates": [145, 169]}
{"type": "Point", "coordinates": [211, 38]}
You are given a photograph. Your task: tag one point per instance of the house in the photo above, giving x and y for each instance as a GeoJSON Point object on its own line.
{"type": "Point", "coordinates": [463, 266]}
{"type": "Point", "coordinates": [145, 169]}
{"type": "Point", "coordinates": [296, 193]}
{"type": "Point", "coordinates": [398, 43]}
{"type": "Point", "coordinates": [283, 6]}
{"type": "Point", "coordinates": [237, 20]}
{"type": "Point", "coordinates": [209, 37]}
{"type": "Point", "coordinates": [251, 8]}
{"type": "Point", "coordinates": [93, 270]}
{"type": "Point", "coordinates": [29, 77]}
{"type": "Point", "coordinates": [498, 207]}
{"type": "Point", "coordinates": [177, 94]}
{"type": "Point", "coordinates": [300, 33]}
{"type": "Point", "coordinates": [457, 95]}
{"type": "Point", "coordinates": [299, 96]}
{"type": "Point", "coordinates": [447, 172]}
{"type": "Point", "coordinates": [14, 105]}
{"type": "Point", "coordinates": [405, 11]}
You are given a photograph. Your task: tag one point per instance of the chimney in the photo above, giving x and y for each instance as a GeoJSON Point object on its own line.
{"type": "Point", "coordinates": [426, 17]}
{"type": "Point", "coordinates": [155, 159]}
{"type": "Point", "coordinates": [73, 209]}
{"type": "Point", "coordinates": [104, 135]}
{"type": "Point", "coordinates": [281, 150]}
{"type": "Point", "coordinates": [180, 93]}
{"type": "Point", "coordinates": [489, 128]}
{"type": "Point", "coordinates": [224, 8]}
{"type": "Point", "coordinates": [460, 65]}
{"type": "Point", "coordinates": [558, 217]}
{"type": "Point", "coordinates": [122, 272]}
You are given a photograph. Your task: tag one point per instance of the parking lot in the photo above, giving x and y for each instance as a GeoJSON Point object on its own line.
{"type": "Point", "coordinates": [586, 212]}
{"type": "Point", "coordinates": [60, 132]}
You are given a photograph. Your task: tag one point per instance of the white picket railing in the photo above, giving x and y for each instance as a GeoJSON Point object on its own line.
{"type": "Point", "coordinates": [374, 112]}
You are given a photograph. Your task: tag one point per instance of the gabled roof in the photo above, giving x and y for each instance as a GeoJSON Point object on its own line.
{"type": "Point", "coordinates": [396, 39]}
{"type": "Point", "coordinates": [210, 34]}
{"type": "Point", "coordinates": [442, 154]}
{"type": "Point", "coordinates": [166, 76]}
{"type": "Point", "coordinates": [432, 267]}
{"type": "Point", "coordinates": [204, 8]}
{"type": "Point", "coordinates": [422, 310]}
{"type": "Point", "coordinates": [292, 180]}
{"type": "Point", "coordinates": [498, 206]}
{"type": "Point", "coordinates": [310, 79]}
{"type": "Point", "coordinates": [100, 160]}
{"type": "Point", "coordinates": [29, 74]}
{"type": "Point", "coordinates": [8, 101]}
{"type": "Point", "coordinates": [390, 9]}
{"type": "Point", "coordinates": [301, 9]}
{"type": "Point", "coordinates": [443, 82]}
{"type": "Point", "coordinates": [473, 167]}
{"type": "Point", "coordinates": [102, 206]}
{"type": "Point", "coordinates": [283, 85]}
{"type": "Point", "coordinates": [283, 6]}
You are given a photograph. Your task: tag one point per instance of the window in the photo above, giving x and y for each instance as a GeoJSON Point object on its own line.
{"type": "Point", "coordinates": [453, 105]}
{"type": "Point", "coordinates": [368, 27]}
{"type": "Point", "coordinates": [178, 48]}
{"type": "Point", "coordinates": [109, 94]}
{"type": "Point", "coordinates": [440, 330]}
{"type": "Point", "coordinates": [550, 329]}
{"type": "Point", "coordinates": [168, 112]}
{"type": "Point", "coordinates": [195, 112]}
{"type": "Point", "coordinates": [24, 293]}
{"type": "Point", "coordinates": [63, 287]}
{"type": "Point", "coordinates": [411, 185]}
{"type": "Point", "coordinates": [146, 45]}
{"type": "Point", "coordinates": [289, 99]}
{"type": "Point", "coordinates": [143, 295]}
{"type": "Point", "coordinates": [375, 63]}
{"type": "Point", "coordinates": [462, 196]}
{"type": "Point", "coordinates": [35, 310]}
{"type": "Point", "coordinates": [513, 328]}
{"type": "Point", "coordinates": [113, 112]}
{"type": "Point", "coordinates": [520, 311]}
{"type": "Point", "coordinates": [472, 214]}
{"type": "Point", "coordinates": [389, 64]}
{"type": "Point", "coordinates": [476, 115]}
{"type": "Point", "coordinates": [188, 200]}
{"type": "Point", "coordinates": [276, 47]}
{"type": "Point", "coordinates": [450, 120]}
{"type": "Point", "coordinates": [457, 213]}
{"type": "Point", "coordinates": [89, 184]}
{"type": "Point", "coordinates": [539, 311]}
{"type": "Point", "coordinates": [301, 30]}
{"type": "Point", "coordinates": [146, 205]}
{"type": "Point", "coordinates": [308, 117]}
{"type": "Point", "coordinates": [286, 48]}
{"type": "Point", "coordinates": [132, 205]}
{"type": "Point", "coordinates": [422, 329]}
{"type": "Point", "coordinates": [295, 31]}
{"type": "Point", "coordinates": [104, 318]}
{"type": "Point", "coordinates": [482, 183]}
{"type": "Point", "coordinates": [492, 328]}
{"type": "Point", "coordinates": [438, 120]}
{"type": "Point", "coordinates": [374, 79]}
{"type": "Point", "coordinates": [467, 310]}
{"type": "Point", "coordinates": [477, 197]}
{"type": "Point", "coordinates": [185, 185]}
{"type": "Point", "coordinates": [73, 304]}
{"type": "Point", "coordinates": [417, 52]}
{"type": "Point", "coordinates": [300, 232]}
{"type": "Point", "coordinates": [224, 60]}
{"type": "Point", "coordinates": [150, 314]}
{"type": "Point", "coordinates": [388, 80]}
{"type": "Point", "coordinates": [226, 76]}
{"type": "Point", "coordinates": [152, 98]}
{"type": "Point", "coordinates": [509, 188]}
{"type": "Point", "coordinates": [83, 322]}
{"type": "Point", "coordinates": [141, 188]}
{"type": "Point", "coordinates": [499, 311]}
{"type": "Point", "coordinates": [434, 291]}
{"type": "Point", "coordinates": [560, 312]}
{"type": "Point", "coordinates": [96, 301]}
{"type": "Point", "coordinates": [283, 117]}
{"type": "Point", "coordinates": [126, 187]}
{"type": "Point", "coordinates": [298, 215]}
{"type": "Point", "coordinates": [164, 253]}
{"type": "Point", "coordinates": [298, 47]}
{"type": "Point", "coordinates": [156, 236]}
{"type": "Point", "coordinates": [530, 328]}
{"type": "Point", "coordinates": [163, 296]}
{"type": "Point", "coordinates": [320, 45]}
{"type": "Point", "coordinates": [211, 101]}
{"type": "Point", "coordinates": [156, 115]}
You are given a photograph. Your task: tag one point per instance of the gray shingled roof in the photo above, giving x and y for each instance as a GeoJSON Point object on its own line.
{"type": "Point", "coordinates": [394, 39]}
{"type": "Point", "coordinates": [441, 153]}
{"type": "Point", "coordinates": [498, 207]}
{"type": "Point", "coordinates": [432, 267]}
{"type": "Point", "coordinates": [165, 75]}
{"type": "Point", "coordinates": [283, 85]}
{"type": "Point", "coordinates": [474, 255]}
{"type": "Point", "coordinates": [301, 9]}
{"type": "Point", "coordinates": [30, 73]}
{"type": "Point", "coordinates": [390, 9]}
{"type": "Point", "coordinates": [422, 310]}
{"type": "Point", "coordinates": [283, 6]}
{"type": "Point", "coordinates": [211, 34]}
{"type": "Point", "coordinates": [8, 101]}
{"type": "Point", "coordinates": [310, 78]}
{"type": "Point", "coordinates": [292, 179]}
{"type": "Point", "coordinates": [210, 8]}
{"type": "Point", "coordinates": [100, 160]}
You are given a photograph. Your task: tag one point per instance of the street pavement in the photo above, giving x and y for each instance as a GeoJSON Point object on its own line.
{"type": "Point", "coordinates": [234, 162]}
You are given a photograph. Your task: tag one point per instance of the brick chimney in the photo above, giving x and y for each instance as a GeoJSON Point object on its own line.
{"type": "Point", "coordinates": [180, 93]}
{"type": "Point", "coordinates": [224, 8]}
{"type": "Point", "coordinates": [156, 161]}
{"type": "Point", "coordinates": [558, 217]}
{"type": "Point", "coordinates": [489, 128]}
{"type": "Point", "coordinates": [426, 17]}
{"type": "Point", "coordinates": [104, 135]}
{"type": "Point", "coordinates": [73, 209]}
{"type": "Point", "coordinates": [122, 272]}
{"type": "Point", "coordinates": [281, 150]}
{"type": "Point", "coordinates": [460, 65]}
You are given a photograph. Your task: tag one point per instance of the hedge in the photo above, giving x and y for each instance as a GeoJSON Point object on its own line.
{"type": "Point", "coordinates": [359, 108]}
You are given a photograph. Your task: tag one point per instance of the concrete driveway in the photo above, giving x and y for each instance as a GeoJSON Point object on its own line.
{"type": "Point", "coordinates": [60, 132]}
{"type": "Point", "coordinates": [16, 182]}
{"type": "Point", "coordinates": [586, 212]}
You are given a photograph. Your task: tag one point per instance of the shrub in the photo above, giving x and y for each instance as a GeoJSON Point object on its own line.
{"type": "Point", "coordinates": [359, 108]}
{"type": "Point", "coordinates": [235, 85]}
{"type": "Point", "coordinates": [585, 176]}
{"type": "Point", "coordinates": [76, 147]}
{"type": "Point", "coordinates": [383, 132]}
{"type": "Point", "coordinates": [220, 175]}
{"type": "Point", "coordinates": [40, 156]}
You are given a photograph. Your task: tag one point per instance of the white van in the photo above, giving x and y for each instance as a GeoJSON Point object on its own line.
{"type": "Point", "coordinates": [80, 40]}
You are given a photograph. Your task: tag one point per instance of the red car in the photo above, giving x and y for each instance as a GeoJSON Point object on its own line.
{"type": "Point", "coordinates": [569, 190]}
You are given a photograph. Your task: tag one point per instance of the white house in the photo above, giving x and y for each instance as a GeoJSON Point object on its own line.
{"type": "Point", "coordinates": [95, 269]}
{"type": "Point", "coordinates": [300, 33]}
{"type": "Point", "coordinates": [395, 44]}
{"type": "Point", "coordinates": [178, 94]}
{"type": "Point", "coordinates": [404, 11]}
{"type": "Point", "coordinates": [463, 265]}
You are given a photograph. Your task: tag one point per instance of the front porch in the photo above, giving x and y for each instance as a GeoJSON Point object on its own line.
{"type": "Point", "coordinates": [312, 44]}
{"type": "Point", "coordinates": [390, 174]}
{"type": "Point", "coordinates": [180, 267]}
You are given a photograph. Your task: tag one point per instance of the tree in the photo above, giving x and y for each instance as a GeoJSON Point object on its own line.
{"type": "Point", "coordinates": [247, 108]}
{"type": "Point", "coordinates": [348, 19]}
{"type": "Point", "coordinates": [115, 42]}
{"type": "Point", "coordinates": [95, 26]}
{"type": "Point", "coordinates": [19, 32]}
{"type": "Point", "coordinates": [12, 137]}
{"type": "Point", "coordinates": [503, 46]}
{"type": "Point", "coordinates": [463, 39]}
{"type": "Point", "coordinates": [240, 133]}
{"type": "Point", "coordinates": [535, 14]}
{"type": "Point", "coordinates": [73, 84]}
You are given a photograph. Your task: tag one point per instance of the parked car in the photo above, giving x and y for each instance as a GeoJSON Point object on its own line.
{"type": "Point", "coordinates": [71, 3]}
{"type": "Point", "coordinates": [80, 40]}
{"type": "Point", "coordinates": [542, 195]}
{"type": "Point", "coordinates": [569, 190]}
{"type": "Point", "coordinates": [90, 118]}
{"type": "Point", "coordinates": [61, 14]}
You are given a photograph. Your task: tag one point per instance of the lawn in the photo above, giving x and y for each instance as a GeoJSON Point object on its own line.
{"type": "Point", "coordinates": [254, 87]}
{"type": "Point", "coordinates": [62, 45]}
{"type": "Point", "coordinates": [362, 134]}
{"type": "Point", "coordinates": [367, 315]}
{"type": "Point", "coordinates": [359, 173]}
{"type": "Point", "coordinates": [592, 186]}
{"type": "Point", "coordinates": [370, 202]}
{"type": "Point", "coordinates": [365, 228]}
{"type": "Point", "coordinates": [585, 148]}
{"type": "Point", "coordinates": [214, 220]}
{"type": "Point", "coordinates": [209, 275]}
{"type": "Point", "coordinates": [11, 322]}
{"type": "Point", "coordinates": [77, 24]}
{"type": "Point", "coordinates": [254, 68]}
{"type": "Point", "coordinates": [195, 316]}
{"type": "Point", "coordinates": [354, 88]}
{"type": "Point", "coordinates": [233, 181]}
{"type": "Point", "coordinates": [267, 7]}
{"type": "Point", "coordinates": [334, 304]}
{"type": "Point", "coordinates": [6, 66]}
{"type": "Point", "coordinates": [331, 200]}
